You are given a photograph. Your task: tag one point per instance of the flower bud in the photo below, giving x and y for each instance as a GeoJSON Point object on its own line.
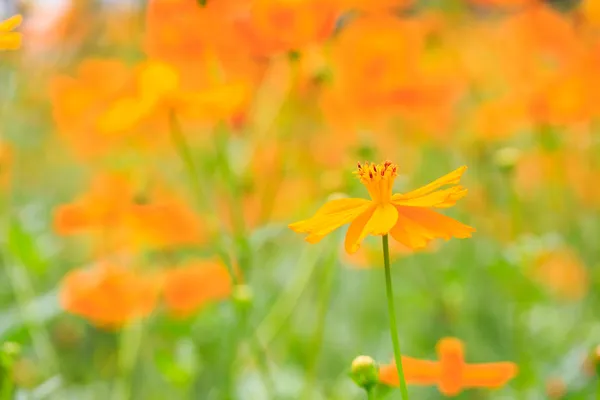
{"type": "Point", "coordinates": [364, 372]}
{"type": "Point", "coordinates": [506, 158]}
{"type": "Point", "coordinates": [242, 295]}
{"type": "Point", "coordinates": [595, 360]}
{"type": "Point", "coordinates": [9, 352]}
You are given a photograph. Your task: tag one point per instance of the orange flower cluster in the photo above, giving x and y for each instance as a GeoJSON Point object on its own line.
{"type": "Point", "coordinates": [451, 373]}
{"type": "Point", "coordinates": [110, 294]}
{"type": "Point", "coordinates": [123, 221]}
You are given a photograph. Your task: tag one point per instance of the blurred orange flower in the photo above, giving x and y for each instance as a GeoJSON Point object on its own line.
{"type": "Point", "coordinates": [375, 6]}
{"type": "Point", "coordinates": [370, 256]}
{"type": "Point", "coordinates": [10, 40]}
{"type": "Point", "coordinates": [109, 295]}
{"type": "Point", "coordinates": [409, 217]}
{"type": "Point", "coordinates": [405, 78]}
{"type": "Point", "coordinates": [120, 217]}
{"type": "Point", "coordinates": [5, 164]}
{"type": "Point", "coordinates": [103, 208]}
{"type": "Point", "coordinates": [274, 26]}
{"type": "Point", "coordinates": [451, 373]}
{"type": "Point", "coordinates": [562, 272]}
{"type": "Point", "coordinates": [189, 287]}
{"type": "Point", "coordinates": [513, 4]}
{"type": "Point", "coordinates": [79, 103]}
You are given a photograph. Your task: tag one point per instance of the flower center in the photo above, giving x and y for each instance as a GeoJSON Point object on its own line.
{"type": "Point", "coordinates": [379, 179]}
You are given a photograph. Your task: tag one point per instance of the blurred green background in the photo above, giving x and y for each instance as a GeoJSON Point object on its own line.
{"type": "Point", "coordinates": [231, 119]}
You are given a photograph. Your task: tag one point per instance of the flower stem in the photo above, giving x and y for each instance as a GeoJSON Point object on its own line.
{"type": "Point", "coordinates": [371, 393]}
{"type": "Point", "coordinates": [598, 388]}
{"type": "Point", "coordinates": [393, 328]}
{"type": "Point", "coordinates": [327, 280]}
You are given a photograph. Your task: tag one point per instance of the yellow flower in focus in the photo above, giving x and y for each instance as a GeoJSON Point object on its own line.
{"type": "Point", "coordinates": [10, 40]}
{"type": "Point", "coordinates": [409, 218]}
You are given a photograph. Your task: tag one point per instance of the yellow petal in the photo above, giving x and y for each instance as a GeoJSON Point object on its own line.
{"type": "Point", "coordinates": [11, 23]}
{"type": "Point", "coordinates": [418, 226]}
{"type": "Point", "coordinates": [157, 79]}
{"type": "Point", "coordinates": [452, 178]}
{"type": "Point", "coordinates": [330, 217]}
{"type": "Point", "coordinates": [124, 114]}
{"type": "Point", "coordinates": [382, 219]}
{"type": "Point", "coordinates": [10, 41]}
{"type": "Point", "coordinates": [410, 234]}
{"type": "Point", "coordinates": [355, 230]}
{"type": "Point", "coordinates": [439, 199]}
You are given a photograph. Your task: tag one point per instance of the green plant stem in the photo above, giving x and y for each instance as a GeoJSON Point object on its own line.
{"type": "Point", "coordinates": [200, 193]}
{"type": "Point", "coordinates": [392, 313]}
{"type": "Point", "coordinates": [371, 393]}
{"type": "Point", "coordinates": [598, 388]}
{"type": "Point", "coordinates": [185, 153]}
{"type": "Point", "coordinates": [317, 343]}
{"type": "Point", "coordinates": [130, 343]}
{"type": "Point", "coordinates": [259, 354]}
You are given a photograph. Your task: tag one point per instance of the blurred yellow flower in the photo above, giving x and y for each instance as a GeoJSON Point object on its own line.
{"type": "Point", "coordinates": [10, 40]}
{"type": "Point", "coordinates": [407, 217]}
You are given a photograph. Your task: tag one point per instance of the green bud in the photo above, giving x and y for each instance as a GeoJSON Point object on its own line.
{"type": "Point", "coordinates": [365, 372]}
{"type": "Point", "coordinates": [11, 349]}
{"type": "Point", "coordinates": [506, 158]}
{"type": "Point", "coordinates": [595, 358]}
{"type": "Point", "coordinates": [242, 295]}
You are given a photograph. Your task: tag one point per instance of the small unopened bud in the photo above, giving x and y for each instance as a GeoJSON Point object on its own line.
{"type": "Point", "coordinates": [11, 349]}
{"type": "Point", "coordinates": [365, 372]}
{"type": "Point", "coordinates": [591, 363]}
{"type": "Point", "coordinates": [242, 295]}
{"type": "Point", "coordinates": [595, 359]}
{"type": "Point", "coordinates": [506, 158]}
{"type": "Point", "coordinates": [555, 388]}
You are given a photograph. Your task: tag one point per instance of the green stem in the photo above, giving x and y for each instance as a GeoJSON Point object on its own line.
{"type": "Point", "coordinates": [371, 393]}
{"type": "Point", "coordinates": [259, 355]}
{"type": "Point", "coordinates": [392, 312]}
{"type": "Point", "coordinates": [598, 388]}
{"type": "Point", "coordinates": [317, 344]}
{"type": "Point", "coordinates": [130, 343]}
{"type": "Point", "coordinates": [185, 153]}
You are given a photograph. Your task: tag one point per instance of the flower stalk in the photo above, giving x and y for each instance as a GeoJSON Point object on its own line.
{"type": "Point", "coordinates": [392, 313]}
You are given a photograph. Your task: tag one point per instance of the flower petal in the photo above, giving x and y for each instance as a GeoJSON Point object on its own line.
{"type": "Point", "coordinates": [11, 23]}
{"type": "Point", "coordinates": [440, 199]}
{"type": "Point", "coordinates": [418, 226]}
{"type": "Point", "coordinates": [490, 375]}
{"type": "Point", "coordinates": [330, 217]}
{"type": "Point", "coordinates": [416, 372]}
{"type": "Point", "coordinates": [452, 178]}
{"type": "Point", "coordinates": [355, 230]}
{"type": "Point", "coordinates": [10, 41]}
{"type": "Point", "coordinates": [380, 222]}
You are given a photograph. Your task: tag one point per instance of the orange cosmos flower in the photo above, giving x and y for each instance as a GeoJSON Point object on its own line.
{"type": "Point", "coordinates": [562, 272]}
{"type": "Point", "coordinates": [451, 374]}
{"type": "Point", "coordinates": [406, 78]}
{"type": "Point", "coordinates": [104, 207]}
{"type": "Point", "coordinates": [375, 6]}
{"type": "Point", "coordinates": [109, 295]}
{"type": "Point", "coordinates": [10, 40]}
{"type": "Point", "coordinates": [113, 210]}
{"type": "Point", "coordinates": [409, 217]}
{"type": "Point", "coordinates": [505, 3]}
{"type": "Point", "coordinates": [191, 286]}
{"type": "Point", "coordinates": [274, 26]}
{"type": "Point", "coordinates": [5, 164]}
